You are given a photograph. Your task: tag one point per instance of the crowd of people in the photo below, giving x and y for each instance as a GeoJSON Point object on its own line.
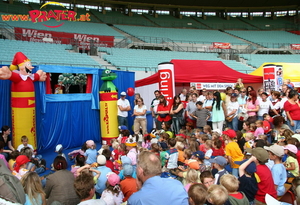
{"type": "Point", "coordinates": [207, 147]}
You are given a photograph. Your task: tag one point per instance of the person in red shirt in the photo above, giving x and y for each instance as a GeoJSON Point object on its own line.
{"type": "Point", "coordinates": [292, 109]}
{"type": "Point", "coordinates": [109, 163]}
{"type": "Point", "coordinates": [265, 183]}
{"type": "Point", "coordinates": [217, 148]}
{"type": "Point", "coordinates": [163, 111]}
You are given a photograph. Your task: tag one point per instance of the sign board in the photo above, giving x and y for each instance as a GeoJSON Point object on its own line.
{"type": "Point", "coordinates": [212, 86]}
{"type": "Point", "coordinates": [221, 45]}
{"type": "Point", "coordinates": [273, 77]}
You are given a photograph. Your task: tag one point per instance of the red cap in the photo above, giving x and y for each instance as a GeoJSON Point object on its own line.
{"type": "Point", "coordinates": [19, 58]}
{"type": "Point", "coordinates": [20, 160]}
{"type": "Point", "coordinates": [230, 133]}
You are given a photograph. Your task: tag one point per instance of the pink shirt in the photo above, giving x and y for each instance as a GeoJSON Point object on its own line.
{"type": "Point", "coordinates": [250, 105]}
{"type": "Point", "coordinates": [5, 162]}
{"type": "Point", "coordinates": [259, 131]}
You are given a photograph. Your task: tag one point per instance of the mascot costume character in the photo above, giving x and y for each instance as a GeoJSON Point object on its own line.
{"type": "Point", "coordinates": [22, 97]}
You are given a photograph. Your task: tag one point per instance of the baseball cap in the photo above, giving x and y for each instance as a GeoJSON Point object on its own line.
{"type": "Point", "coordinates": [113, 179]}
{"type": "Point", "coordinates": [251, 168]}
{"type": "Point", "coordinates": [275, 149]}
{"type": "Point", "coordinates": [163, 145]}
{"type": "Point", "coordinates": [199, 154]}
{"type": "Point", "coordinates": [127, 170]}
{"type": "Point", "coordinates": [260, 153]}
{"type": "Point", "coordinates": [291, 148]}
{"type": "Point", "coordinates": [101, 160]}
{"type": "Point", "coordinates": [125, 160]}
{"type": "Point", "coordinates": [123, 127]}
{"type": "Point", "coordinates": [297, 136]}
{"type": "Point", "coordinates": [58, 148]}
{"type": "Point", "coordinates": [234, 95]}
{"type": "Point", "coordinates": [123, 93]}
{"type": "Point", "coordinates": [230, 133]}
{"type": "Point", "coordinates": [220, 160]}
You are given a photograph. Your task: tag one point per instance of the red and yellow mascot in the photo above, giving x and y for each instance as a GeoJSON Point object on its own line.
{"type": "Point", "coordinates": [22, 97]}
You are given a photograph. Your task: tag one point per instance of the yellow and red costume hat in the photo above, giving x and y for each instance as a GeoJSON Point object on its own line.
{"type": "Point", "coordinates": [18, 60]}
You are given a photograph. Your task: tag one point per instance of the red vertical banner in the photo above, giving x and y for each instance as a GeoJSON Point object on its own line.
{"type": "Point", "coordinates": [269, 77]}
{"type": "Point", "coordinates": [166, 81]}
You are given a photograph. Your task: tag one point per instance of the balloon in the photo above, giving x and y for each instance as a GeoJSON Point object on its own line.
{"type": "Point", "coordinates": [223, 96]}
{"type": "Point", "coordinates": [130, 91]}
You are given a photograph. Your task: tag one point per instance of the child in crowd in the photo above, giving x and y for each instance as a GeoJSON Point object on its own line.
{"type": "Point", "coordinates": [291, 162]}
{"type": "Point", "coordinates": [231, 183]}
{"type": "Point", "coordinates": [59, 150]}
{"type": "Point", "coordinates": [202, 140]}
{"type": "Point", "coordinates": [248, 183]}
{"type": "Point", "coordinates": [279, 174]}
{"type": "Point", "coordinates": [219, 163]}
{"type": "Point", "coordinates": [217, 148]}
{"type": "Point", "coordinates": [147, 141]}
{"type": "Point", "coordinates": [20, 166]}
{"type": "Point", "coordinates": [267, 124]}
{"type": "Point", "coordinates": [124, 134]}
{"type": "Point", "coordinates": [249, 138]}
{"type": "Point", "coordinates": [180, 147]}
{"type": "Point", "coordinates": [24, 140]}
{"type": "Point", "coordinates": [259, 128]}
{"type": "Point", "coordinates": [128, 185]}
{"type": "Point", "coordinates": [13, 156]}
{"type": "Point", "coordinates": [240, 140]}
{"type": "Point", "coordinates": [91, 152]}
{"type": "Point", "coordinates": [193, 144]}
{"type": "Point", "coordinates": [33, 189]}
{"type": "Point", "coordinates": [33, 165]}
{"type": "Point", "coordinates": [266, 184]}
{"type": "Point", "coordinates": [164, 155]}
{"type": "Point", "coordinates": [252, 128]}
{"type": "Point", "coordinates": [208, 153]}
{"type": "Point", "coordinates": [239, 84]}
{"type": "Point", "coordinates": [217, 195]}
{"type": "Point", "coordinates": [116, 154]}
{"type": "Point", "coordinates": [201, 115]}
{"type": "Point", "coordinates": [155, 149]}
{"type": "Point", "coordinates": [232, 150]}
{"type": "Point", "coordinates": [2, 157]}
{"type": "Point", "coordinates": [112, 195]}
{"type": "Point", "coordinates": [197, 194]}
{"type": "Point", "coordinates": [131, 148]}
{"type": "Point", "coordinates": [207, 178]}
{"type": "Point", "coordinates": [124, 161]}
{"type": "Point", "coordinates": [101, 182]}
{"type": "Point", "coordinates": [109, 163]}
{"type": "Point", "coordinates": [192, 177]}
{"type": "Point", "coordinates": [207, 131]}
{"type": "Point", "coordinates": [79, 162]}
{"type": "Point", "coordinates": [173, 155]}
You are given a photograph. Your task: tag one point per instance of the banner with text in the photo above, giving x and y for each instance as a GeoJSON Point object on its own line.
{"type": "Point", "coordinates": [83, 41]}
{"type": "Point", "coordinates": [221, 45]}
{"type": "Point", "coordinates": [295, 46]}
{"type": "Point", "coordinates": [273, 79]}
{"type": "Point", "coordinates": [212, 86]}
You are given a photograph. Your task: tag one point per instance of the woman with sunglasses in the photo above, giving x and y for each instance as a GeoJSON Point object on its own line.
{"type": "Point", "coordinates": [140, 120]}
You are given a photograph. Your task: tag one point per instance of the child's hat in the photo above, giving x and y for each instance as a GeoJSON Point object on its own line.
{"type": "Point", "coordinates": [113, 179]}
{"type": "Point", "coordinates": [199, 154]}
{"type": "Point", "coordinates": [131, 141]}
{"type": "Point", "coordinates": [291, 148]}
{"type": "Point", "coordinates": [230, 133]}
{"type": "Point", "coordinates": [220, 160]}
{"type": "Point", "coordinates": [297, 136]}
{"type": "Point", "coordinates": [251, 168]}
{"type": "Point", "coordinates": [260, 153]}
{"type": "Point", "coordinates": [127, 170]}
{"type": "Point", "coordinates": [217, 131]}
{"type": "Point", "coordinates": [125, 160]}
{"type": "Point", "coordinates": [123, 127]}
{"type": "Point", "coordinates": [90, 143]}
{"type": "Point", "coordinates": [59, 148]}
{"type": "Point", "coordinates": [101, 160]}
{"type": "Point", "coordinates": [275, 149]}
{"type": "Point", "coordinates": [20, 160]}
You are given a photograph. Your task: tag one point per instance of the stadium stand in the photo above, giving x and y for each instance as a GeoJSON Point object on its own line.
{"type": "Point", "coordinates": [180, 35]}
{"type": "Point", "coordinates": [268, 39]}
{"type": "Point", "coordinates": [44, 53]}
{"type": "Point", "coordinates": [16, 8]}
{"type": "Point", "coordinates": [136, 59]}
{"type": "Point", "coordinates": [256, 60]}
{"type": "Point", "coordinates": [264, 23]}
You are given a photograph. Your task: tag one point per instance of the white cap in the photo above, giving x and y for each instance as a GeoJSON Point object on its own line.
{"type": "Point", "coordinates": [123, 93]}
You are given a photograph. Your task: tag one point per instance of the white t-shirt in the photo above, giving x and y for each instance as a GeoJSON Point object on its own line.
{"type": "Point", "coordinates": [201, 98]}
{"type": "Point", "coordinates": [22, 146]}
{"type": "Point", "coordinates": [264, 107]}
{"type": "Point", "coordinates": [123, 103]}
{"type": "Point", "coordinates": [232, 106]}
{"type": "Point", "coordinates": [137, 109]}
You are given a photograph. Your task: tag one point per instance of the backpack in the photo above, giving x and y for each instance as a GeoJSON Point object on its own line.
{"type": "Point", "coordinates": [10, 186]}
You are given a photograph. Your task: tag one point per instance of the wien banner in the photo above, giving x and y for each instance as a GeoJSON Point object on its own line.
{"type": "Point", "coordinates": [295, 46]}
{"type": "Point", "coordinates": [82, 40]}
{"type": "Point", "coordinates": [221, 45]}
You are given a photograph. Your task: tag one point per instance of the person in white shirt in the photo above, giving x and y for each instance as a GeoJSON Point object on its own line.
{"type": "Point", "coordinates": [183, 94]}
{"type": "Point", "coordinates": [264, 106]}
{"type": "Point", "coordinates": [140, 116]}
{"type": "Point", "coordinates": [202, 97]}
{"type": "Point", "coordinates": [123, 108]}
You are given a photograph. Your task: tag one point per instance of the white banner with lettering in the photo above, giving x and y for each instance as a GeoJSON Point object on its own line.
{"type": "Point", "coordinates": [212, 86]}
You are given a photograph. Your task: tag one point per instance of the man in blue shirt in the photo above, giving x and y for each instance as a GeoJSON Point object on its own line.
{"type": "Point", "coordinates": [154, 190]}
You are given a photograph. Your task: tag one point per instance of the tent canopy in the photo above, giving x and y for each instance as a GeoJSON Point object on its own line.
{"type": "Point", "coordinates": [290, 71]}
{"type": "Point", "coordinates": [187, 71]}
